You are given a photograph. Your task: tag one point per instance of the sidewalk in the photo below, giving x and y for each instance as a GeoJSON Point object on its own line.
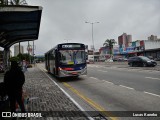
{"type": "Point", "coordinates": [45, 96]}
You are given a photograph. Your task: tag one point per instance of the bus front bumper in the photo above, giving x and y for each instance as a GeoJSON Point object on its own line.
{"type": "Point", "coordinates": [64, 73]}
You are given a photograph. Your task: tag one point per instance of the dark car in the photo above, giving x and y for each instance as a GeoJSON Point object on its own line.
{"type": "Point", "coordinates": [141, 61]}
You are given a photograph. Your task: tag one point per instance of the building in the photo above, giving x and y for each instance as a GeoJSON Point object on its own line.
{"type": "Point", "coordinates": [152, 37]}
{"type": "Point", "coordinates": [126, 48]}
{"type": "Point", "coordinates": [149, 48]}
{"type": "Point", "coordinates": [124, 40]}
{"type": "Point", "coordinates": [104, 53]}
{"type": "Point", "coordinates": [92, 57]}
{"type": "Point", "coordinates": [116, 50]}
{"type": "Point", "coordinates": [16, 50]}
{"type": "Point", "coordinates": [152, 48]}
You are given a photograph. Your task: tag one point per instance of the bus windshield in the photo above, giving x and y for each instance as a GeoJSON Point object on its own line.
{"type": "Point", "coordinates": [70, 57]}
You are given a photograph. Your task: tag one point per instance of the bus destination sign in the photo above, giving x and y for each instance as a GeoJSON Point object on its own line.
{"type": "Point", "coordinates": [71, 46]}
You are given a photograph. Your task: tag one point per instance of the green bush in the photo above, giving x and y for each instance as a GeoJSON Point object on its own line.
{"type": "Point", "coordinates": [14, 59]}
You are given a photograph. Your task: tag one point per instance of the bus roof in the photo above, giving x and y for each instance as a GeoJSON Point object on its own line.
{"type": "Point", "coordinates": [56, 47]}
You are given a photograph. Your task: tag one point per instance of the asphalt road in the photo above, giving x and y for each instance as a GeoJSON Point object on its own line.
{"type": "Point", "coordinates": [140, 80]}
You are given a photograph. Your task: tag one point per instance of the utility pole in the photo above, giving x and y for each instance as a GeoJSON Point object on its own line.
{"type": "Point", "coordinates": [92, 37]}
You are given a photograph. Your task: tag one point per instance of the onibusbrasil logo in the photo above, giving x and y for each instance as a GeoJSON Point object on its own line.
{"type": "Point", "coordinates": [9, 114]}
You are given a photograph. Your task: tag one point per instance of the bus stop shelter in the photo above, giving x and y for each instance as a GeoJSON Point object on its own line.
{"type": "Point", "coordinates": [18, 24]}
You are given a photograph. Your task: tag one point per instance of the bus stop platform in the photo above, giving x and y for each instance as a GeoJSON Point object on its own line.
{"type": "Point", "coordinates": [44, 96]}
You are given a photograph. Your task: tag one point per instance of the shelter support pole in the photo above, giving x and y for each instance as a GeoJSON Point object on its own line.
{"type": "Point", "coordinates": [19, 48]}
{"type": "Point", "coordinates": [33, 54]}
{"type": "Point", "coordinates": [6, 57]}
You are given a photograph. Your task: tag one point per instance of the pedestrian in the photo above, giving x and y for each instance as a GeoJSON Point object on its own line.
{"type": "Point", "coordinates": [14, 80]}
{"type": "Point", "coordinates": [24, 65]}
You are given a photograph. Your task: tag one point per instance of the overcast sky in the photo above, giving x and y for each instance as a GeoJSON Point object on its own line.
{"type": "Point", "coordinates": [64, 20]}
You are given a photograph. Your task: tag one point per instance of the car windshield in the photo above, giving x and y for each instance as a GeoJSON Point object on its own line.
{"type": "Point", "coordinates": [70, 57]}
{"type": "Point", "coordinates": [144, 58]}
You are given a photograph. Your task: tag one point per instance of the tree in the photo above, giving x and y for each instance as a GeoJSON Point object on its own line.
{"type": "Point", "coordinates": [13, 2]}
{"type": "Point", "coordinates": [109, 43]}
{"type": "Point", "coordinates": [25, 56]}
{"type": "Point", "coordinates": [18, 2]}
{"type": "Point", "coordinates": [3, 2]}
{"type": "Point", "coordinates": [14, 59]}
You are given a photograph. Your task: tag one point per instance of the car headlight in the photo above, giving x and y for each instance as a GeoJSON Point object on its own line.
{"type": "Point", "coordinates": [148, 61]}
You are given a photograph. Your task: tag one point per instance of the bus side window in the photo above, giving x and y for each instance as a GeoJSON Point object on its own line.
{"type": "Point", "coordinates": [51, 56]}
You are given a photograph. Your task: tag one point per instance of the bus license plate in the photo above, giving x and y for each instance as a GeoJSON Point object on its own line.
{"type": "Point", "coordinates": [74, 73]}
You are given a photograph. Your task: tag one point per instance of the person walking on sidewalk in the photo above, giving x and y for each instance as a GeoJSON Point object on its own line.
{"type": "Point", "coordinates": [24, 65]}
{"type": "Point", "coordinates": [14, 80]}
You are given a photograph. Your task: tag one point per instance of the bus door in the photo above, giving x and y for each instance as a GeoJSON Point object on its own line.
{"type": "Point", "coordinates": [46, 61]}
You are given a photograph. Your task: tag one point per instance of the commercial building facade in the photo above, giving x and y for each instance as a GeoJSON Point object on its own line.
{"type": "Point", "coordinates": [126, 48]}
{"type": "Point", "coordinates": [149, 48]}
{"type": "Point", "coordinates": [152, 48]}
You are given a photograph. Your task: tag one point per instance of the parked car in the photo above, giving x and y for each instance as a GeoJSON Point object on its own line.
{"type": "Point", "coordinates": [141, 61]}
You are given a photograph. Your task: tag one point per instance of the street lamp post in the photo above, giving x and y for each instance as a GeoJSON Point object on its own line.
{"type": "Point", "coordinates": [92, 36]}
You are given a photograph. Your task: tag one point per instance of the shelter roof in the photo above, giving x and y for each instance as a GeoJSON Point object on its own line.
{"type": "Point", "coordinates": [19, 24]}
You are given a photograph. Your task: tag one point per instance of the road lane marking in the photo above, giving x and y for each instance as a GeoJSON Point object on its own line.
{"type": "Point", "coordinates": [91, 102]}
{"type": "Point", "coordinates": [102, 71]}
{"type": "Point", "coordinates": [151, 94]}
{"type": "Point", "coordinates": [84, 75]}
{"type": "Point", "coordinates": [108, 82]}
{"type": "Point", "coordinates": [127, 87]}
{"type": "Point", "coordinates": [153, 78]}
{"type": "Point", "coordinates": [94, 78]}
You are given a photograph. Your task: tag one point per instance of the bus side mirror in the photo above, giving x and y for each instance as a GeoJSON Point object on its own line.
{"type": "Point", "coordinates": [86, 56]}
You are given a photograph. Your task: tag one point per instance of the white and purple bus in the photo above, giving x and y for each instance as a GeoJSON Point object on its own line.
{"type": "Point", "coordinates": [66, 60]}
